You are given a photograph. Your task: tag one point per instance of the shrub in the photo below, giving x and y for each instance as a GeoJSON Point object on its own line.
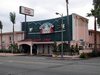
{"type": "Point", "coordinates": [98, 53]}
{"type": "Point", "coordinates": [95, 53]}
{"type": "Point", "coordinates": [80, 47]}
{"type": "Point", "coordinates": [66, 47]}
{"type": "Point", "coordinates": [55, 47]}
{"type": "Point", "coordinates": [84, 55]}
{"type": "Point", "coordinates": [72, 50]}
{"type": "Point", "coordinates": [76, 49]}
{"type": "Point", "coordinates": [14, 48]}
{"type": "Point", "coordinates": [88, 55]}
{"type": "Point", "coordinates": [5, 51]}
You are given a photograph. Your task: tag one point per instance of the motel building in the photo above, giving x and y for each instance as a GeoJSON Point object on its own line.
{"type": "Point", "coordinates": [38, 37]}
{"type": "Point", "coordinates": [91, 39]}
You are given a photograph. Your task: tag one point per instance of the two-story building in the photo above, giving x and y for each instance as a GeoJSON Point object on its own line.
{"type": "Point", "coordinates": [91, 39]}
{"type": "Point", "coordinates": [7, 38]}
{"type": "Point", "coordinates": [38, 37]}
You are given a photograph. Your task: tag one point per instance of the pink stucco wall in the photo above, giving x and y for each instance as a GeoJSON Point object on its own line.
{"type": "Point", "coordinates": [7, 38]}
{"type": "Point", "coordinates": [80, 29]}
{"type": "Point", "coordinates": [91, 38]}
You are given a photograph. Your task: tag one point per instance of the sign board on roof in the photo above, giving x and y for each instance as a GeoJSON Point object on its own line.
{"type": "Point", "coordinates": [26, 11]}
{"type": "Point", "coordinates": [46, 28]}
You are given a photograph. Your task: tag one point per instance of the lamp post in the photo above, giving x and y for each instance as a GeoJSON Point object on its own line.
{"type": "Point", "coordinates": [62, 26]}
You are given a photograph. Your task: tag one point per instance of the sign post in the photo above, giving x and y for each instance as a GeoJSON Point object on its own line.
{"type": "Point", "coordinates": [26, 11]}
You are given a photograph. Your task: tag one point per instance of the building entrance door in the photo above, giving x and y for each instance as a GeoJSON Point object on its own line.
{"type": "Point", "coordinates": [34, 49]}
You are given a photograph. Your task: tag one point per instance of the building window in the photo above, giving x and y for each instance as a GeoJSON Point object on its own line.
{"type": "Point", "coordinates": [90, 45]}
{"type": "Point", "coordinates": [10, 38]}
{"type": "Point", "coordinates": [90, 33]}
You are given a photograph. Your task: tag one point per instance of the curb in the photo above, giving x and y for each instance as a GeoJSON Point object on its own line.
{"type": "Point", "coordinates": [10, 54]}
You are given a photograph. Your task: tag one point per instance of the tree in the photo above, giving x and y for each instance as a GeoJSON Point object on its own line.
{"type": "Point", "coordinates": [96, 14]}
{"type": "Point", "coordinates": [1, 26]}
{"type": "Point", "coordinates": [76, 50]}
{"type": "Point", "coordinates": [72, 49]}
{"type": "Point", "coordinates": [12, 19]}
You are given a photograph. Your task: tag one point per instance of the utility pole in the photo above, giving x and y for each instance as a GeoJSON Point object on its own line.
{"type": "Point", "coordinates": [68, 26]}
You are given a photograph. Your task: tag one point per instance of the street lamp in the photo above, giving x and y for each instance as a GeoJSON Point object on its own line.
{"type": "Point", "coordinates": [62, 26]}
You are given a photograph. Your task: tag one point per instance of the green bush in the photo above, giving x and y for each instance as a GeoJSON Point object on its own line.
{"type": "Point", "coordinates": [99, 53]}
{"type": "Point", "coordinates": [14, 48]}
{"type": "Point", "coordinates": [66, 47]}
{"type": "Point", "coordinates": [80, 47]}
{"type": "Point", "coordinates": [9, 50]}
{"type": "Point", "coordinates": [5, 51]}
{"type": "Point", "coordinates": [84, 55]}
{"type": "Point", "coordinates": [89, 55]}
{"type": "Point", "coordinates": [55, 47]}
{"type": "Point", "coordinates": [76, 49]}
{"type": "Point", "coordinates": [95, 53]}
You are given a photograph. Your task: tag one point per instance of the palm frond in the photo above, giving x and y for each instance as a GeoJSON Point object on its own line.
{"type": "Point", "coordinates": [1, 26]}
{"type": "Point", "coordinates": [89, 15]}
{"type": "Point", "coordinates": [12, 17]}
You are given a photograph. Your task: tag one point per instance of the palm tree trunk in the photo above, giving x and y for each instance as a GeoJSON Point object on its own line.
{"type": "Point", "coordinates": [13, 34]}
{"type": "Point", "coordinates": [13, 39]}
{"type": "Point", "coordinates": [95, 34]}
{"type": "Point", "coordinates": [1, 38]}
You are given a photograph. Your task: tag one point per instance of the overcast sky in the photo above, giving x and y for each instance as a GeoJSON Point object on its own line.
{"type": "Point", "coordinates": [43, 9]}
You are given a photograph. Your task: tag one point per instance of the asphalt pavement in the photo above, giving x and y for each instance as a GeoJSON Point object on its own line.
{"type": "Point", "coordinates": [37, 65]}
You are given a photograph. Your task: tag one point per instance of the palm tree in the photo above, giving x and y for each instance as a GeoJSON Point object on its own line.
{"type": "Point", "coordinates": [1, 26]}
{"type": "Point", "coordinates": [12, 19]}
{"type": "Point", "coordinates": [96, 14]}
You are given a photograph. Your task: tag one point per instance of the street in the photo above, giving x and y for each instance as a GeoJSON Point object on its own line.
{"type": "Point", "coordinates": [36, 65]}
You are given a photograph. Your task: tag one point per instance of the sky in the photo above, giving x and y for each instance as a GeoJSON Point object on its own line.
{"type": "Point", "coordinates": [43, 9]}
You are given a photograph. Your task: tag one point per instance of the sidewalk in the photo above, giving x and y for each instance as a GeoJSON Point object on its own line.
{"type": "Point", "coordinates": [74, 57]}
{"type": "Point", "coordinates": [11, 54]}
